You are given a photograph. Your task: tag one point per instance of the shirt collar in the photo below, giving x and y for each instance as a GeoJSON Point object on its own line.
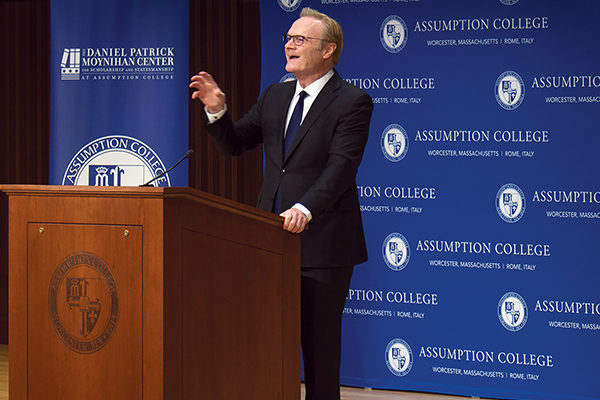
{"type": "Point", "coordinates": [314, 88]}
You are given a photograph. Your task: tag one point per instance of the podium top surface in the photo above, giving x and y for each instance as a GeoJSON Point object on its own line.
{"type": "Point", "coordinates": [158, 193]}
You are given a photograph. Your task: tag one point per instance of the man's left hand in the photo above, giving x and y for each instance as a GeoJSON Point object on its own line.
{"type": "Point", "coordinates": [295, 220]}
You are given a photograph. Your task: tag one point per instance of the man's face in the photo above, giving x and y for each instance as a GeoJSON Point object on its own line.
{"type": "Point", "coordinates": [307, 59]}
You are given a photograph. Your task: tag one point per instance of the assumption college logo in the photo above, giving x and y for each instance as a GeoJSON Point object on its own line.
{"type": "Point", "coordinates": [510, 203]}
{"type": "Point", "coordinates": [509, 2]}
{"type": "Point", "coordinates": [509, 90]}
{"type": "Point", "coordinates": [115, 161]}
{"type": "Point", "coordinates": [394, 142]}
{"type": "Point", "coordinates": [83, 302]}
{"type": "Point", "coordinates": [512, 311]}
{"type": "Point", "coordinates": [396, 252]}
{"type": "Point", "coordinates": [393, 34]}
{"type": "Point", "coordinates": [398, 357]}
{"type": "Point", "coordinates": [289, 5]}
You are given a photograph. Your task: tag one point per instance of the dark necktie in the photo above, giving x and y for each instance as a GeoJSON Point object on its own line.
{"type": "Point", "coordinates": [290, 134]}
{"type": "Point", "coordinates": [294, 124]}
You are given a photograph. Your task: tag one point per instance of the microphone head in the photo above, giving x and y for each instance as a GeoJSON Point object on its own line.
{"type": "Point", "coordinates": [189, 153]}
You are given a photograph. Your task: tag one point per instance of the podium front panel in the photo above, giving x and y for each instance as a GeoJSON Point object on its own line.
{"type": "Point", "coordinates": [84, 311]}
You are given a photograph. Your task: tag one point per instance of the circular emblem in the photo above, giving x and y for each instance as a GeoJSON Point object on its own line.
{"type": "Point", "coordinates": [512, 311]}
{"type": "Point", "coordinates": [83, 302]}
{"type": "Point", "coordinates": [396, 251]}
{"type": "Point", "coordinates": [398, 357]}
{"type": "Point", "coordinates": [115, 161]}
{"type": "Point", "coordinates": [509, 90]}
{"type": "Point", "coordinates": [287, 77]}
{"type": "Point", "coordinates": [509, 2]}
{"type": "Point", "coordinates": [510, 203]}
{"type": "Point", "coordinates": [394, 142]}
{"type": "Point", "coordinates": [393, 34]}
{"type": "Point", "coordinates": [289, 5]}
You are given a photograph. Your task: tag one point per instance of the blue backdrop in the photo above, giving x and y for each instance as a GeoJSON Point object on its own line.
{"type": "Point", "coordinates": [479, 193]}
{"type": "Point", "coordinates": [119, 91]}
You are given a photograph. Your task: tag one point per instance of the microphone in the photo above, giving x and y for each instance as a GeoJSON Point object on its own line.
{"type": "Point", "coordinates": [186, 155]}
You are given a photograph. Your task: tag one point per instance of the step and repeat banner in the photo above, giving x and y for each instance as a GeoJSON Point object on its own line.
{"type": "Point", "coordinates": [119, 92]}
{"type": "Point", "coordinates": [479, 191]}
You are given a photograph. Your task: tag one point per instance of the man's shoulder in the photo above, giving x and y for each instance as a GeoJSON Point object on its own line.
{"type": "Point", "coordinates": [347, 88]}
{"type": "Point", "coordinates": [278, 91]}
{"type": "Point", "coordinates": [282, 87]}
{"type": "Point", "coordinates": [350, 94]}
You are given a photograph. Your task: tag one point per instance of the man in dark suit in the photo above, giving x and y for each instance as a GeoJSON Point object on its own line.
{"type": "Point", "coordinates": [314, 132]}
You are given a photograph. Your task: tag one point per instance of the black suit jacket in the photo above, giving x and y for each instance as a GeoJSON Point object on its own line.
{"type": "Point", "coordinates": [320, 169]}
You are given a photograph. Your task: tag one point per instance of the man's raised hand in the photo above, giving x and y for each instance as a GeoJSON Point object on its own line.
{"type": "Point", "coordinates": [208, 92]}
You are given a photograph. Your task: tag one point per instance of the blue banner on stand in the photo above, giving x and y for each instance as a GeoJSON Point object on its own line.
{"type": "Point", "coordinates": [479, 193]}
{"type": "Point", "coordinates": [119, 92]}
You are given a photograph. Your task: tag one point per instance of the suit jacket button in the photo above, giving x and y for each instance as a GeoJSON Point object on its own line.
{"type": "Point", "coordinates": [282, 172]}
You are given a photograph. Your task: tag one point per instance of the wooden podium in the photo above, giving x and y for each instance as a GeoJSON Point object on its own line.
{"type": "Point", "coordinates": [149, 293]}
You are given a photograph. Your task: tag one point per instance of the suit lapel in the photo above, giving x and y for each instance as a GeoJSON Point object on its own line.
{"type": "Point", "coordinates": [286, 99]}
{"type": "Point", "coordinates": [325, 96]}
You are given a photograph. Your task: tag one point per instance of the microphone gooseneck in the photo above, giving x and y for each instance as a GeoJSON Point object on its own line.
{"type": "Point", "coordinates": [187, 154]}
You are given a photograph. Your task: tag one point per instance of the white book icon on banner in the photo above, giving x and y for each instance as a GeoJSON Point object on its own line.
{"type": "Point", "coordinates": [69, 65]}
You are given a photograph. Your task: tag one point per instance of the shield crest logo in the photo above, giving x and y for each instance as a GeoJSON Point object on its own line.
{"type": "Point", "coordinates": [394, 144]}
{"type": "Point", "coordinates": [397, 355]}
{"type": "Point", "coordinates": [510, 93]}
{"type": "Point", "coordinates": [510, 205]}
{"type": "Point", "coordinates": [393, 34]}
{"type": "Point", "coordinates": [396, 251]}
{"type": "Point", "coordinates": [78, 300]}
{"type": "Point", "coordinates": [83, 302]}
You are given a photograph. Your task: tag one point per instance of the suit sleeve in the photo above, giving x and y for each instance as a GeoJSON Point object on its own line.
{"type": "Point", "coordinates": [234, 139]}
{"type": "Point", "coordinates": [344, 157]}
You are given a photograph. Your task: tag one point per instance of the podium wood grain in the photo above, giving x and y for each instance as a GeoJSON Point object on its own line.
{"type": "Point", "coordinates": [208, 296]}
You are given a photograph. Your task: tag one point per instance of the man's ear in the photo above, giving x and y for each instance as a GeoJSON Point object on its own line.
{"type": "Point", "coordinates": [328, 50]}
